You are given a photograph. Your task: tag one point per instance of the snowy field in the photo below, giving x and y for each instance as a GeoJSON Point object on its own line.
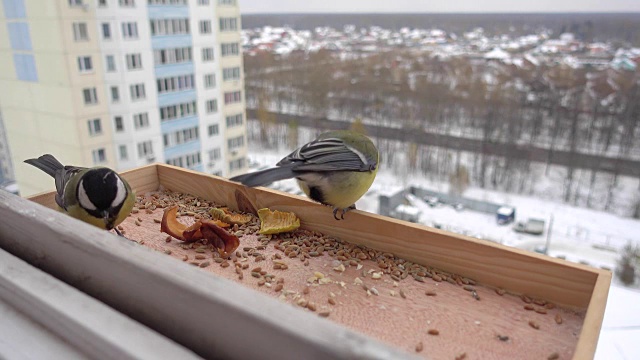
{"type": "Point", "coordinates": [579, 235]}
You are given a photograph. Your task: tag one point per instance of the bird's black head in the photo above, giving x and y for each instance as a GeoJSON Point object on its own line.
{"type": "Point", "coordinates": [102, 193]}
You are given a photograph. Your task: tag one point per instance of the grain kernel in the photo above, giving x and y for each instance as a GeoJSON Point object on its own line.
{"type": "Point", "coordinates": [419, 347]}
{"type": "Point", "coordinates": [433, 332]}
{"type": "Point", "coordinates": [534, 324]}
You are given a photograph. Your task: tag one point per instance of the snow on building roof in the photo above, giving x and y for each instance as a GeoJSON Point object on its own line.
{"type": "Point", "coordinates": [497, 53]}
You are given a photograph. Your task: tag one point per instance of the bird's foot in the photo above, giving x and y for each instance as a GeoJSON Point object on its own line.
{"type": "Point", "coordinates": [344, 211]}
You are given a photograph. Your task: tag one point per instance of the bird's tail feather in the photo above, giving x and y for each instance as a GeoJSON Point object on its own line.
{"type": "Point", "coordinates": [265, 177]}
{"type": "Point", "coordinates": [46, 163]}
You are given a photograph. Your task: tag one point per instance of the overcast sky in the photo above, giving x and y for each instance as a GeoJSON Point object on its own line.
{"type": "Point", "coordinates": [431, 6]}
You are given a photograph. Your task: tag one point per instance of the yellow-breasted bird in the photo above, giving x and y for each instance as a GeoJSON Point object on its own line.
{"type": "Point", "coordinates": [335, 169]}
{"type": "Point", "coordinates": [98, 196]}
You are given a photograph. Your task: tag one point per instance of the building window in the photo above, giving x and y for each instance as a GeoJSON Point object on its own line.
{"type": "Point", "coordinates": [115, 94]}
{"type": "Point", "coordinates": [209, 81]}
{"type": "Point", "coordinates": [188, 160]}
{"type": "Point", "coordinates": [80, 32]}
{"type": "Point", "coordinates": [137, 92]}
{"type": "Point", "coordinates": [207, 54]}
{"type": "Point", "coordinates": [205, 26]}
{"type": "Point", "coordinates": [141, 121]}
{"type": "Point", "coordinates": [145, 149]}
{"type": "Point", "coordinates": [232, 97]}
{"type": "Point", "coordinates": [226, 2]}
{"type": "Point", "coordinates": [106, 31]}
{"type": "Point", "coordinates": [212, 106]}
{"type": "Point", "coordinates": [214, 154]}
{"type": "Point", "coordinates": [102, 3]}
{"type": "Point", "coordinates": [169, 26]}
{"type": "Point", "coordinates": [130, 30]}
{"type": "Point", "coordinates": [178, 111]}
{"type": "Point", "coordinates": [84, 64]}
{"type": "Point", "coordinates": [118, 123]}
{"type": "Point", "coordinates": [228, 24]}
{"type": "Point", "coordinates": [127, 3]}
{"type": "Point", "coordinates": [235, 143]}
{"type": "Point", "coordinates": [231, 74]}
{"type": "Point", "coordinates": [203, 2]}
{"type": "Point", "coordinates": [236, 164]}
{"type": "Point", "coordinates": [75, 2]}
{"type": "Point", "coordinates": [180, 137]}
{"type": "Point", "coordinates": [172, 56]}
{"type": "Point", "coordinates": [90, 96]}
{"type": "Point", "coordinates": [111, 63]}
{"type": "Point", "coordinates": [229, 49]}
{"type": "Point", "coordinates": [175, 83]}
{"type": "Point", "coordinates": [95, 127]}
{"type": "Point", "coordinates": [99, 156]}
{"type": "Point", "coordinates": [134, 61]}
{"type": "Point", "coordinates": [124, 154]}
{"type": "Point", "coordinates": [234, 120]}
{"type": "Point", "coordinates": [213, 130]}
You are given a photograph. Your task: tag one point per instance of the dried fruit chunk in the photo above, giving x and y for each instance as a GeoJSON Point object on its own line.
{"type": "Point", "coordinates": [170, 224]}
{"type": "Point", "coordinates": [275, 222]}
{"type": "Point", "coordinates": [221, 214]}
{"type": "Point", "coordinates": [210, 230]}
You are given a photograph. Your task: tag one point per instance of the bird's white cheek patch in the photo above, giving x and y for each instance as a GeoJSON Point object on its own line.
{"type": "Point", "coordinates": [121, 194]}
{"type": "Point", "coordinates": [83, 199]}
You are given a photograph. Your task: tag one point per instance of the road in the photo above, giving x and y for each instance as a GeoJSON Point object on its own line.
{"type": "Point", "coordinates": [524, 152]}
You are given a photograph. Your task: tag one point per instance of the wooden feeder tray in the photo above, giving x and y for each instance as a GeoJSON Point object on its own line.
{"type": "Point", "coordinates": [471, 298]}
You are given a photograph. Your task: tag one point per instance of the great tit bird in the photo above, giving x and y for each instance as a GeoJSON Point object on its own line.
{"type": "Point", "coordinates": [98, 196]}
{"type": "Point", "coordinates": [335, 169]}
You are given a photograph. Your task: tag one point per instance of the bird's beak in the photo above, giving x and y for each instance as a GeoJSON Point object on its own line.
{"type": "Point", "coordinates": [108, 224]}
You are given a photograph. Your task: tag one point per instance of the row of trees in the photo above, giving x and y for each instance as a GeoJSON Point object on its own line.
{"type": "Point", "coordinates": [553, 106]}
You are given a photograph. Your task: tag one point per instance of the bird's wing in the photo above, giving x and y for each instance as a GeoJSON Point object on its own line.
{"type": "Point", "coordinates": [62, 177]}
{"type": "Point", "coordinates": [330, 154]}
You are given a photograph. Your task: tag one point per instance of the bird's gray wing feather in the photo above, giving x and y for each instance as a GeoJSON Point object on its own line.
{"type": "Point", "coordinates": [330, 154]}
{"type": "Point", "coordinates": [265, 177]}
{"type": "Point", "coordinates": [61, 174]}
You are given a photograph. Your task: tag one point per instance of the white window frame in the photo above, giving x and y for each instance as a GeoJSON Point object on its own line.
{"type": "Point", "coordinates": [95, 127]}
{"type": "Point", "coordinates": [80, 31]}
{"type": "Point", "coordinates": [99, 156]}
{"type": "Point", "coordinates": [229, 49]}
{"type": "Point", "coordinates": [90, 96]}
{"type": "Point", "coordinates": [85, 64]}
{"type": "Point", "coordinates": [118, 119]}
{"type": "Point", "coordinates": [115, 94]}
{"type": "Point", "coordinates": [130, 30]}
{"type": "Point", "coordinates": [106, 35]}
{"type": "Point", "coordinates": [123, 152]}
{"type": "Point", "coordinates": [205, 27]}
{"type": "Point", "coordinates": [228, 24]}
{"type": "Point", "coordinates": [207, 54]}
{"type": "Point", "coordinates": [211, 106]}
{"type": "Point", "coordinates": [110, 63]}
{"type": "Point", "coordinates": [145, 149]}
{"type": "Point", "coordinates": [231, 73]}
{"type": "Point", "coordinates": [137, 92]}
{"type": "Point", "coordinates": [141, 121]}
{"type": "Point", "coordinates": [134, 61]}
{"type": "Point", "coordinates": [213, 130]}
{"type": "Point", "coordinates": [209, 81]}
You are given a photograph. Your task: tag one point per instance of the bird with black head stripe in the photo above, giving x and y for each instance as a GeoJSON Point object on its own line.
{"type": "Point", "coordinates": [98, 196]}
{"type": "Point", "coordinates": [335, 169]}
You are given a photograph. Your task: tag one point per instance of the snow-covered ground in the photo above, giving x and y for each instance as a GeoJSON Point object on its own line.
{"type": "Point", "coordinates": [580, 235]}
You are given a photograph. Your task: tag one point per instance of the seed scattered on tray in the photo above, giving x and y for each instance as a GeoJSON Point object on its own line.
{"type": "Point", "coordinates": [500, 291]}
{"type": "Point", "coordinates": [558, 319]}
{"type": "Point", "coordinates": [461, 356]}
{"type": "Point", "coordinates": [419, 347]}
{"type": "Point", "coordinates": [430, 293]}
{"type": "Point", "coordinates": [324, 313]}
{"type": "Point", "coordinates": [205, 264]}
{"type": "Point", "coordinates": [534, 324]}
{"type": "Point", "coordinates": [433, 332]}
{"type": "Point", "coordinates": [503, 338]}
{"type": "Point", "coordinates": [554, 356]}
{"type": "Point", "coordinates": [403, 294]}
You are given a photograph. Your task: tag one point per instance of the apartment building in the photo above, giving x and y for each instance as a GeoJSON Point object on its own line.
{"type": "Point", "coordinates": [123, 83]}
